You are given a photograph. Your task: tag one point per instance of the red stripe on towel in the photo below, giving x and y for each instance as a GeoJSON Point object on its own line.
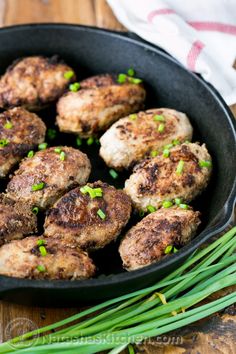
{"type": "Point", "coordinates": [155, 13]}
{"type": "Point", "coordinates": [193, 54]}
{"type": "Point", "coordinates": [214, 26]}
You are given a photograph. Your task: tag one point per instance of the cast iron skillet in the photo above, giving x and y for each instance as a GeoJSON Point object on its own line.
{"type": "Point", "coordinates": [91, 51]}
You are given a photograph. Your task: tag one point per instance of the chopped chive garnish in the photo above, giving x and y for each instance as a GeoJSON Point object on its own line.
{"type": "Point", "coordinates": [135, 80]}
{"type": "Point", "coordinates": [141, 213]}
{"type": "Point", "coordinates": [4, 142]}
{"type": "Point", "coordinates": [43, 251]}
{"type": "Point", "coordinates": [62, 156]}
{"type": "Point", "coordinates": [187, 142]}
{"type": "Point", "coordinates": [74, 87]}
{"type": "Point", "coordinates": [203, 163]}
{"type": "Point", "coordinates": [37, 187]}
{"type": "Point", "coordinates": [8, 125]}
{"type": "Point", "coordinates": [93, 192]}
{"type": "Point", "coordinates": [178, 201]}
{"type": "Point", "coordinates": [78, 141]}
{"type": "Point", "coordinates": [131, 72]}
{"type": "Point", "coordinates": [154, 153]}
{"type": "Point", "coordinates": [183, 206]}
{"type": "Point", "coordinates": [90, 140]}
{"type": "Point", "coordinates": [161, 128]}
{"type": "Point", "coordinates": [168, 146]}
{"type": "Point", "coordinates": [133, 116]}
{"type": "Point", "coordinates": [68, 74]}
{"type": "Point", "coordinates": [101, 214]}
{"type": "Point", "coordinates": [42, 146]}
{"type": "Point", "coordinates": [159, 118]}
{"type": "Point", "coordinates": [51, 133]}
{"type": "Point", "coordinates": [121, 79]}
{"type": "Point", "coordinates": [168, 249]}
{"type": "Point", "coordinates": [151, 208]}
{"type": "Point", "coordinates": [180, 167]}
{"type": "Point", "coordinates": [35, 210]}
{"type": "Point", "coordinates": [113, 173]}
{"type": "Point", "coordinates": [30, 153]}
{"type": "Point", "coordinates": [166, 152]}
{"type": "Point", "coordinates": [40, 242]}
{"type": "Point", "coordinates": [57, 150]}
{"type": "Point", "coordinates": [41, 268]}
{"type": "Point", "coordinates": [167, 204]}
{"type": "Point", "coordinates": [175, 250]}
{"type": "Point", "coordinates": [175, 142]}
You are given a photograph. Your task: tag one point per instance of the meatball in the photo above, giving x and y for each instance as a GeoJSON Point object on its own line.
{"type": "Point", "coordinates": [147, 242]}
{"type": "Point", "coordinates": [45, 177]}
{"type": "Point", "coordinates": [20, 131]}
{"type": "Point", "coordinates": [16, 220]}
{"type": "Point", "coordinates": [90, 219]}
{"type": "Point", "coordinates": [34, 82]}
{"type": "Point", "coordinates": [36, 258]}
{"type": "Point", "coordinates": [184, 173]}
{"type": "Point", "coordinates": [131, 138]}
{"type": "Point", "coordinates": [99, 103]}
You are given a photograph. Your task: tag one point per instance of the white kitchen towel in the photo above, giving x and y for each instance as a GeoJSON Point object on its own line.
{"type": "Point", "coordinates": [201, 34]}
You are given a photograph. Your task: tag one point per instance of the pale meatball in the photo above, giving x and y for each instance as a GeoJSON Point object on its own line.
{"type": "Point", "coordinates": [99, 103]}
{"type": "Point", "coordinates": [158, 234]}
{"type": "Point", "coordinates": [34, 82]}
{"type": "Point", "coordinates": [180, 175]}
{"type": "Point", "coordinates": [20, 131]}
{"type": "Point", "coordinates": [27, 259]}
{"type": "Point", "coordinates": [45, 177]}
{"type": "Point", "coordinates": [131, 138]}
{"type": "Point", "coordinates": [88, 221]}
{"type": "Point", "coordinates": [16, 220]}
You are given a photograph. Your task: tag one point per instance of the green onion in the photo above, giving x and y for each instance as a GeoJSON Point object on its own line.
{"type": "Point", "coordinates": [90, 140]}
{"type": "Point", "coordinates": [183, 206]}
{"type": "Point", "coordinates": [62, 156]}
{"type": "Point", "coordinates": [101, 214]}
{"type": "Point", "coordinates": [8, 125]}
{"type": "Point", "coordinates": [78, 141]}
{"type": "Point", "coordinates": [57, 150]}
{"type": "Point", "coordinates": [30, 153]}
{"type": "Point", "coordinates": [141, 213]}
{"type": "Point", "coordinates": [175, 142]}
{"type": "Point", "coordinates": [203, 163]}
{"type": "Point", "coordinates": [180, 167]}
{"type": "Point", "coordinates": [37, 187]}
{"type": "Point", "coordinates": [178, 201]}
{"type": "Point", "coordinates": [135, 80]}
{"type": "Point", "coordinates": [41, 242]}
{"type": "Point", "coordinates": [133, 116]}
{"type": "Point", "coordinates": [175, 250]}
{"type": "Point", "coordinates": [121, 79]}
{"type": "Point", "coordinates": [131, 349]}
{"type": "Point", "coordinates": [187, 142]}
{"type": "Point", "coordinates": [74, 87]}
{"type": "Point", "coordinates": [41, 268]}
{"type": "Point", "coordinates": [113, 173]}
{"type": "Point", "coordinates": [93, 192]}
{"type": "Point", "coordinates": [154, 153]}
{"type": "Point", "coordinates": [159, 118]}
{"type": "Point", "coordinates": [42, 146]}
{"type": "Point", "coordinates": [161, 128]}
{"type": "Point", "coordinates": [151, 208]}
{"type": "Point", "coordinates": [131, 72]}
{"type": "Point", "coordinates": [3, 142]}
{"type": "Point", "coordinates": [43, 251]}
{"type": "Point", "coordinates": [168, 146]}
{"type": "Point", "coordinates": [168, 249]}
{"type": "Point", "coordinates": [68, 74]}
{"type": "Point", "coordinates": [51, 133]}
{"type": "Point", "coordinates": [166, 153]}
{"type": "Point", "coordinates": [35, 210]}
{"type": "Point", "coordinates": [167, 204]}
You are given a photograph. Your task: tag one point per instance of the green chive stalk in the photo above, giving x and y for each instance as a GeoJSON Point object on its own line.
{"type": "Point", "coordinates": [152, 311]}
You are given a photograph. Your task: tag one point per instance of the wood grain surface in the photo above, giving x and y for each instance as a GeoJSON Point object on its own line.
{"type": "Point", "coordinates": [214, 335]}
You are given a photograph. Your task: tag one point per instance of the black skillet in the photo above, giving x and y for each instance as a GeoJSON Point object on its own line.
{"type": "Point", "coordinates": [92, 51]}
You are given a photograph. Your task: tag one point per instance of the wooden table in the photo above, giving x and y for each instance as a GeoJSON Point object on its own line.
{"type": "Point", "coordinates": [217, 334]}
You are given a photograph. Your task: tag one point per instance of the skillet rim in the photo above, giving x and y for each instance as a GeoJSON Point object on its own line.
{"type": "Point", "coordinates": [225, 216]}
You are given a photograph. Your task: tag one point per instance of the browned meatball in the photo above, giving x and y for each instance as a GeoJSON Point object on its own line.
{"type": "Point", "coordinates": [16, 220]}
{"type": "Point", "coordinates": [178, 175]}
{"type": "Point", "coordinates": [99, 103]}
{"type": "Point", "coordinates": [34, 82]}
{"type": "Point", "coordinates": [20, 131]}
{"type": "Point", "coordinates": [89, 222]}
{"type": "Point", "coordinates": [27, 259]}
{"type": "Point", "coordinates": [147, 242]}
{"type": "Point", "coordinates": [45, 177]}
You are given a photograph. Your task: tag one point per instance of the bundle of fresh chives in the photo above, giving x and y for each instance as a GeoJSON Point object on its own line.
{"type": "Point", "coordinates": [149, 312]}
